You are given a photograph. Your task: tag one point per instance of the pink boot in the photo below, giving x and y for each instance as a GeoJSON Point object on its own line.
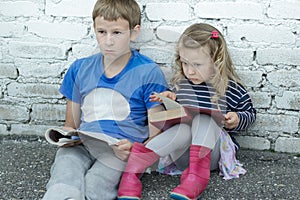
{"type": "Point", "coordinates": [196, 180]}
{"type": "Point", "coordinates": [140, 158]}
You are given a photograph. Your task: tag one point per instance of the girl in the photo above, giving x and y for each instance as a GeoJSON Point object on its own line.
{"type": "Point", "coordinates": [205, 78]}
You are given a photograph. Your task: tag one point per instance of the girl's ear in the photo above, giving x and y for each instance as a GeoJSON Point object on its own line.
{"type": "Point", "coordinates": [135, 32]}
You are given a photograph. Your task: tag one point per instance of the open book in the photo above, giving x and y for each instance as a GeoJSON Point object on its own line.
{"type": "Point", "coordinates": [60, 137]}
{"type": "Point", "coordinates": [176, 113]}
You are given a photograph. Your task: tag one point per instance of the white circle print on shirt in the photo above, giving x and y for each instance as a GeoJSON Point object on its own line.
{"type": "Point", "coordinates": [105, 104]}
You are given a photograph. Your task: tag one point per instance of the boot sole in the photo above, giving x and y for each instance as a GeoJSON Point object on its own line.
{"type": "Point", "coordinates": [128, 198]}
{"type": "Point", "coordinates": [178, 196]}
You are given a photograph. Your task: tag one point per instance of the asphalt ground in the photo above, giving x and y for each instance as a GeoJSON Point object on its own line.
{"type": "Point", "coordinates": [26, 161]}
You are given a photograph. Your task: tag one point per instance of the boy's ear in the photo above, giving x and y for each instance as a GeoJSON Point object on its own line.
{"type": "Point", "coordinates": [135, 32]}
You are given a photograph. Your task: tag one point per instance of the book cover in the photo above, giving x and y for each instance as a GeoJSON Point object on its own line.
{"type": "Point", "coordinates": [176, 113]}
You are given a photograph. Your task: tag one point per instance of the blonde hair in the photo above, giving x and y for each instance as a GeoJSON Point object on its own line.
{"type": "Point", "coordinates": [200, 35]}
{"type": "Point", "coordinates": [112, 10]}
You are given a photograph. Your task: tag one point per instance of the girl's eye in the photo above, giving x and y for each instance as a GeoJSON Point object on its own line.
{"type": "Point", "coordinates": [184, 63]}
{"type": "Point", "coordinates": [197, 65]}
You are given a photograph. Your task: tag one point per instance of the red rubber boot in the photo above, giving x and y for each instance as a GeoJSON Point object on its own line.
{"type": "Point", "coordinates": [198, 175]}
{"type": "Point", "coordinates": [130, 187]}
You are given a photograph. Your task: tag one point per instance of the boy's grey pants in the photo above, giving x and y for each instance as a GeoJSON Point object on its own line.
{"type": "Point", "coordinates": [85, 175]}
{"type": "Point", "coordinates": [176, 141]}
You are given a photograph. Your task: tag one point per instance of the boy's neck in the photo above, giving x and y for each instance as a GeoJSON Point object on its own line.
{"type": "Point", "coordinates": [114, 67]}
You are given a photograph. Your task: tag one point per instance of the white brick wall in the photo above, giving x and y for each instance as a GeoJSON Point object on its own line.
{"type": "Point", "coordinates": [40, 39]}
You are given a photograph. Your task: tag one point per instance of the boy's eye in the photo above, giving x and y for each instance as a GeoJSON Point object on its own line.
{"type": "Point", "coordinates": [101, 31]}
{"type": "Point", "coordinates": [117, 32]}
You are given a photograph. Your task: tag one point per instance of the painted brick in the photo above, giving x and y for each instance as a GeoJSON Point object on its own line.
{"type": "Point", "coordinates": [239, 10]}
{"type": "Point", "coordinates": [250, 78]}
{"type": "Point", "coordinates": [77, 8]}
{"type": "Point", "coordinates": [33, 90]}
{"type": "Point", "coordinates": [284, 9]}
{"type": "Point", "coordinates": [284, 78]}
{"type": "Point", "coordinates": [159, 55]}
{"type": "Point", "coordinates": [261, 33]}
{"type": "Point", "coordinates": [290, 145]}
{"type": "Point", "coordinates": [146, 35]}
{"type": "Point", "coordinates": [276, 123]}
{"type": "Point", "coordinates": [71, 31]}
{"type": "Point", "coordinates": [250, 142]}
{"type": "Point", "coordinates": [241, 56]}
{"type": "Point", "coordinates": [36, 50]}
{"type": "Point", "coordinates": [36, 68]}
{"type": "Point", "coordinates": [30, 129]}
{"type": "Point", "coordinates": [48, 112]}
{"type": "Point", "coordinates": [40, 39]}
{"type": "Point", "coordinates": [9, 29]}
{"type": "Point", "coordinates": [14, 113]}
{"type": "Point", "coordinates": [289, 100]}
{"type": "Point", "coordinates": [3, 130]}
{"type": "Point", "coordinates": [19, 8]}
{"type": "Point", "coordinates": [260, 99]}
{"type": "Point", "coordinates": [8, 71]}
{"type": "Point", "coordinates": [168, 11]}
{"type": "Point", "coordinates": [84, 50]}
{"type": "Point", "coordinates": [286, 56]}
{"type": "Point", "coordinates": [170, 33]}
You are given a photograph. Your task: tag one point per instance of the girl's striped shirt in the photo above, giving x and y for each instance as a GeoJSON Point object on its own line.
{"type": "Point", "coordinates": [236, 99]}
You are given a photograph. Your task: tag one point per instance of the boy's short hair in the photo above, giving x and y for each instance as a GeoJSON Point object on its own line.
{"type": "Point", "coordinates": [112, 10]}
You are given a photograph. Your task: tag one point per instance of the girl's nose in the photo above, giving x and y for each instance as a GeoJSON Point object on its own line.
{"type": "Point", "coordinates": [191, 69]}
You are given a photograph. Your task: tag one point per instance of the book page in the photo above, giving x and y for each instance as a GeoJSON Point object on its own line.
{"type": "Point", "coordinates": [100, 136]}
{"type": "Point", "coordinates": [169, 103]}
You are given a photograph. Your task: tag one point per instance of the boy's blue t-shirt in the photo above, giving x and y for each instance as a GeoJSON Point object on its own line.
{"type": "Point", "coordinates": [115, 106]}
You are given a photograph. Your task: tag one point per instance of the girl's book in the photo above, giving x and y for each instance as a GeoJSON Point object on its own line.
{"type": "Point", "coordinates": [60, 137]}
{"type": "Point", "coordinates": [176, 113]}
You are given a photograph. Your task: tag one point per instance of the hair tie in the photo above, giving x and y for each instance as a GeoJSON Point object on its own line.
{"type": "Point", "coordinates": [214, 34]}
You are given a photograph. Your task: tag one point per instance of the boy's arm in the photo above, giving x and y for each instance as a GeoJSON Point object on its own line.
{"type": "Point", "coordinates": [72, 120]}
{"type": "Point", "coordinates": [73, 113]}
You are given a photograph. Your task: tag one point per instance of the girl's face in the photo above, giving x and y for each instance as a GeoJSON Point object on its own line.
{"type": "Point", "coordinates": [197, 64]}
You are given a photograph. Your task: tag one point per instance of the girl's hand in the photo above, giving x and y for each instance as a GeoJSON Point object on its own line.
{"type": "Point", "coordinates": [122, 149]}
{"type": "Point", "coordinates": [232, 120]}
{"type": "Point", "coordinates": [168, 94]}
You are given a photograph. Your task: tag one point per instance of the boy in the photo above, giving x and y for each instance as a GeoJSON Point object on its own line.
{"type": "Point", "coordinates": [108, 93]}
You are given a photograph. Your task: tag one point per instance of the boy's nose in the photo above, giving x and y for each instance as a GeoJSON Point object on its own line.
{"type": "Point", "coordinates": [109, 40]}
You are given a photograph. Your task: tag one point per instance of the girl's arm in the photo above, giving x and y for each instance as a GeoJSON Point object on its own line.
{"type": "Point", "coordinates": [243, 117]}
{"type": "Point", "coordinates": [168, 94]}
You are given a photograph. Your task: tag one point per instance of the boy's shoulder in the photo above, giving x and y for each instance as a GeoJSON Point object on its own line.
{"type": "Point", "coordinates": [86, 61]}
{"type": "Point", "coordinates": [88, 58]}
{"type": "Point", "coordinates": [141, 57]}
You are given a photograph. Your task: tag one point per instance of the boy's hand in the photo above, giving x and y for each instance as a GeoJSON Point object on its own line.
{"type": "Point", "coordinates": [122, 149]}
{"type": "Point", "coordinates": [168, 94]}
{"type": "Point", "coordinates": [72, 144]}
{"type": "Point", "coordinates": [231, 120]}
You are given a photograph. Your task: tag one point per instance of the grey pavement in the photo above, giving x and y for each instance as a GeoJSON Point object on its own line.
{"type": "Point", "coordinates": [25, 164]}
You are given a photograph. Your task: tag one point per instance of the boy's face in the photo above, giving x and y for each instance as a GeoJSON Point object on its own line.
{"type": "Point", "coordinates": [113, 37]}
{"type": "Point", "coordinates": [197, 64]}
